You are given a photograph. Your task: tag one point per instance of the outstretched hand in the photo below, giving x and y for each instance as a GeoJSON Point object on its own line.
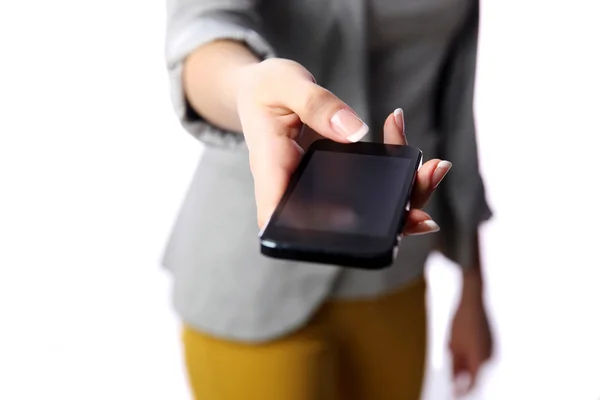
{"type": "Point", "coordinates": [277, 98]}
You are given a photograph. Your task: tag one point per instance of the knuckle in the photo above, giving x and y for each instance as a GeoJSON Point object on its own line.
{"type": "Point", "coordinates": [282, 68]}
{"type": "Point", "coordinates": [315, 99]}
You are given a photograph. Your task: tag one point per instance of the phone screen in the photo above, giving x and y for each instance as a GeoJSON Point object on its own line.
{"type": "Point", "coordinates": [346, 193]}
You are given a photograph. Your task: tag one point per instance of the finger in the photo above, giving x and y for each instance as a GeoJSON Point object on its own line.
{"type": "Point", "coordinates": [315, 106]}
{"type": "Point", "coordinates": [473, 367]}
{"type": "Point", "coordinates": [273, 159]}
{"type": "Point", "coordinates": [458, 365]}
{"type": "Point", "coordinates": [272, 173]}
{"type": "Point", "coordinates": [394, 128]}
{"type": "Point", "coordinates": [462, 384]}
{"type": "Point", "coordinates": [326, 114]}
{"type": "Point", "coordinates": [429, 177]}
{"type": "Point", "coordinates": [461, 378]}
{"type": "Point", "coordinates": [419, 223]}
{"type": "Point", "coordinates": [471, 383]}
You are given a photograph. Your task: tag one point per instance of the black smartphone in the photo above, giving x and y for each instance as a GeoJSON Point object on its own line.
{"type": "Point", "coordinates": [345, 205]}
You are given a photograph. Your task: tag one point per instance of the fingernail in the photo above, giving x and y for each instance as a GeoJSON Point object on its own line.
{"type": "Point", "coordinates": [348, 125]}
{"type": "Point", "coordinates": [461, 384]}
{"type": "Point", "coordinates": [428, 226]}
{"type": "Point", "coordinates": [440, 172]}
{"type": "Point", "coordinates": [399, 118]}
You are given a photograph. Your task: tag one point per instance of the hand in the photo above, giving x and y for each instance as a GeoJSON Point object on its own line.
{"type": "Point", "coordinates": [471, 340]}
{"type": "Point", "coordinates": [275, 100]}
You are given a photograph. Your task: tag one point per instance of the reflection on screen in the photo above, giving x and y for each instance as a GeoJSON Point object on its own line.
{"type": "Point", "coordinates": [346, 193]}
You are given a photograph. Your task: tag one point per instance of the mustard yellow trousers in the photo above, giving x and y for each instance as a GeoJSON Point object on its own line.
{"type": "Point", "coordinates": [351, 350]}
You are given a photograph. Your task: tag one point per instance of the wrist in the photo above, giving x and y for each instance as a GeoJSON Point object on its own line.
{"type": "Point", "coordinates": [472, 284]}
{"type": "Point", "coordinates": [240, 75]}
{"type": "Point", "coordinates": [212, 76]}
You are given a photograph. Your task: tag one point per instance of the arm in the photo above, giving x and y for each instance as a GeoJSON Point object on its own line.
{"type": "Point", "coordinates": [464, 205]}
{"type": "Point", "coordinates": [472, 278]}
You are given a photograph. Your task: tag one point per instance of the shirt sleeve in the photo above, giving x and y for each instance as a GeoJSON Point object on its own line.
{"type": "Point", "coordinates": [193, 23]}
{"type": "Point", "coordinates": [463, 200]}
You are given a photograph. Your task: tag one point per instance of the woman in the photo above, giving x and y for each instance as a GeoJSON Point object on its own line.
{"type": "Point", "coordinates": [247, 75]}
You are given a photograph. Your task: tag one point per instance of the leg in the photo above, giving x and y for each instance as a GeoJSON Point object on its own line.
{"type": "Point", "coordinates": [382, 345]}
{"type": "Point", "coordinates": [301, 366]}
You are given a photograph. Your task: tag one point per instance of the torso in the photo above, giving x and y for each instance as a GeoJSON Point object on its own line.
{"type": "Point", "coordinates": [222, 284]}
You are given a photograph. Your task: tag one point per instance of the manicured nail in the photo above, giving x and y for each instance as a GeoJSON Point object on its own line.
{"type": "Point", "coordinates": [427, 226]}
{"type": "Point", "coordinates": [399, 118]}
{"type": "Point", "coordinates": [440, 172]}
{"type": "Point", "coordinates": [348, 125]}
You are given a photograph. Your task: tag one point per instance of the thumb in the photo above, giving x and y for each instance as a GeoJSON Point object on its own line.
{"type": "Point", "coordinates": [322, 111]}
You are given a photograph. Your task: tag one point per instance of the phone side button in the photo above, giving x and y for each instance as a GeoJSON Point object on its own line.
{"type": "Point", "coordinates": [268, 243]}
{"type": "Point", "coordinates": [397, 246]}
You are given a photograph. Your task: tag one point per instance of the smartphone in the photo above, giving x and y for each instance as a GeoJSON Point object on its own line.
{"type": "Point", "coordinates": [345, 205]}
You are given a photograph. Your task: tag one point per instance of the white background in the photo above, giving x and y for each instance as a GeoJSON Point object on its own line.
{"type": "Point", "coordinates": [93, 166]}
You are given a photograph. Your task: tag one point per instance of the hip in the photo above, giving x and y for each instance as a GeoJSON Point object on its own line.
{"type": "Point", "coordinates": [349, 349]}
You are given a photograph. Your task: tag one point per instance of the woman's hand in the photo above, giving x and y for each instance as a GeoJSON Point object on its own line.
{"type": "Point", "coordinates": [276, 99]}
{"type": "Point", "coordinates": [471, 340]}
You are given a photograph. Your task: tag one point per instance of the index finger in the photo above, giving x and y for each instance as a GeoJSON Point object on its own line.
{"type": "Point", "coordinates": [274, 156]}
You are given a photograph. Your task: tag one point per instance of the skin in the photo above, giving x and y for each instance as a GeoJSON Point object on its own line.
{"type": "Point", "coordinates": [279, 108]}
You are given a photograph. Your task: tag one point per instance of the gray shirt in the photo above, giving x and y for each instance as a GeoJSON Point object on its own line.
{"type": "Point", "coordinates": [424, 62]}
{"type": "Point", "coordinates": [407, 43]}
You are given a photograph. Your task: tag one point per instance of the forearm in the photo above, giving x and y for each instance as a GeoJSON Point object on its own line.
{"type": "Point", "coordinates": [472, 283]}
{"type": "Point", "coordinates": [211, 79]}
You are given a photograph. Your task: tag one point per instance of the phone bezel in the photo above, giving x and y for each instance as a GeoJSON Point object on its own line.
{"type": "Point", "coordinates": [275, 238]}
